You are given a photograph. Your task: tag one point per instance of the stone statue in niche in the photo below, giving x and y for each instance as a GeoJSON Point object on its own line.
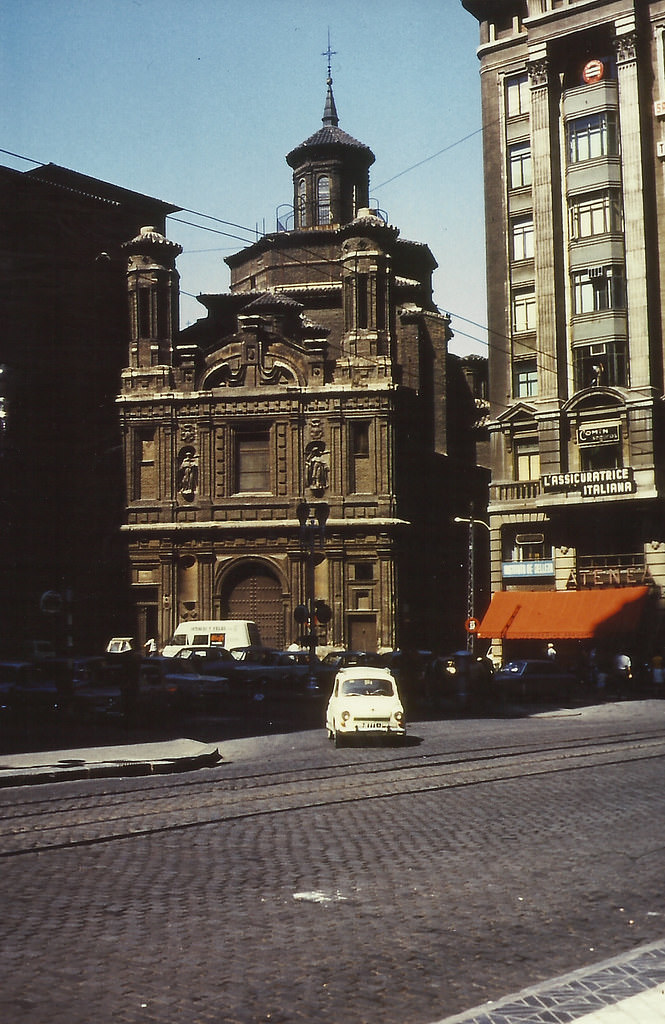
{"type": "Point", "coordinates": [317, 466]}
{"type": "Point", "coordinates": [188, 474]}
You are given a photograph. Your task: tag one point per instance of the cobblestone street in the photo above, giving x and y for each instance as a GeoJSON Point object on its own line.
{"type": "Point", "coordinates": [401, 908]}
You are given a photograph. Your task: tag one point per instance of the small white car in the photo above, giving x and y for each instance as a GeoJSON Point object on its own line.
{"type": "Point", "coordinates": [364, 702]}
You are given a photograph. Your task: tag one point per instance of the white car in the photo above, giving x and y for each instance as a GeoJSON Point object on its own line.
{"type": "Point", "coordinates": [364, 701]}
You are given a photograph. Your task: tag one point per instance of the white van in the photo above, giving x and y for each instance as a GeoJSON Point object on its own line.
{"type": "Point", "coordinates": [228, 633]}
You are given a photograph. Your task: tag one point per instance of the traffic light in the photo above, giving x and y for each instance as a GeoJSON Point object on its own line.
{"type": "Point", "coordinates": [322, 613]}
{"type": "Point", "coordinates": [301, 613]}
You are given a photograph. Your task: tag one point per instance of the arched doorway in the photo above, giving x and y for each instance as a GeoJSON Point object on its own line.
{"type": "Point", "coordinates": [252, 591]}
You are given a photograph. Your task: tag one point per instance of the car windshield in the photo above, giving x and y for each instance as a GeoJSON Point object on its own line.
{"type": "Point", "coordinates": [367, 688]}
{"type": "Point", "coordinates": [515, 666]}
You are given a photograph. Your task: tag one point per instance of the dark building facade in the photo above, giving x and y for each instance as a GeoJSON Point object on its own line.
{"type": "Point", "coordinates": [573, 98]}
{"type": "Point", "coordinates": [63, 310]}
{"type": "Point", "coordinates": [321, 380]}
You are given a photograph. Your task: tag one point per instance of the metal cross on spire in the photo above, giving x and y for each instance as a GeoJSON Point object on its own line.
{"type": "Point", "coordinates": [329, 53]}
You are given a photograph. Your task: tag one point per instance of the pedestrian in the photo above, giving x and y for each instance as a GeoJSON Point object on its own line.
{"type": "Point", "coordinates": [622, 673]}
{"type": "Point", "coordinates": [551, 651]}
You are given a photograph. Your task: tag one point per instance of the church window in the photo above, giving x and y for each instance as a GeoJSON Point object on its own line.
{"type": "Point", "coordinates": [253, 461]}
{"type": "Point", "coordinates": [362, 301]}
{"type": "Point", "coordinates": [146, 465]}
{"type": "Point", "coordinates": [323, 200]}
{"type": "Point", "coordinates": [302, 203]}
{"type": "Point", "coordinates": [360, 482]}
{"type": "Point", "coordinates": [143, 301]}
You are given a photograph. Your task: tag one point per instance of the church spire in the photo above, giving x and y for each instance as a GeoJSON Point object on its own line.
{"type": "Point", "coordinates": [330, 117]}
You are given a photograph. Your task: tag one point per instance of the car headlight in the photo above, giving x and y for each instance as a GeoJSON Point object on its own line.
{"type": "Point", "coordinates": [346, 716]}
{"type": "Point", "coordinates": [399, 717]}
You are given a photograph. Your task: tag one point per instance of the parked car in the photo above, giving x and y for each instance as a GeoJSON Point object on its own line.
{"type": "Point", "coordinates": [261, 673]}
{"type": "Point", "coordinates": [98, 690]}
{"type": "Point", "coordinates": [121, 645]}
{"type": "Point", "coordinates": [460, 678]}
{"type": "Point", "coordinates": [204, 654]}
{"type": "Point", "coordinates": [533, 680]}
{"type": "Point", "coordinates": [28, 687]}
{"type": "Point", "coordinates": [333, 661]}
{"type": "Point", "coordinates": [364, 701]}
{"type": "Point", "coordinates": [178, 684]}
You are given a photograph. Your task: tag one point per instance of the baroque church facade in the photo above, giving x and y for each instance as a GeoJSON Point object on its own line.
{"type": "Point", "coordinates": [310, 438]}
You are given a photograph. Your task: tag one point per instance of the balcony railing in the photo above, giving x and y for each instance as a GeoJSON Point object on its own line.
{"type": "Point", "coordinates": [515, 490]}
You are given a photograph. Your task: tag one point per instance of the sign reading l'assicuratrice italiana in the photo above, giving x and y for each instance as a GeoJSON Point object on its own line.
{"type": "Point", "coordinates": [592, 483]}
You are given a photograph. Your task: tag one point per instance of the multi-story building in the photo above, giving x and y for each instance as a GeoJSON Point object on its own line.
{"type": "Point", "coordinates": [320, 383]}
{"type": "Point", "coordinates": [573, 105]}
{"type": "Point", "coordinates": [63, 310]}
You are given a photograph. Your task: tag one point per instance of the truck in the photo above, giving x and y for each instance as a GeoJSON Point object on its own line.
{"type": "Point", "coordinates": [228, 633]}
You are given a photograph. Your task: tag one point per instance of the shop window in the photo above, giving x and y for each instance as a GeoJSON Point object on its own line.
{"type": "Point", "coordinates": [253, 462]}
{"type": "Point", "coordinates": [520, 173]}
{"type": "Point", "coordinates": [526, 458]}
{"type": "Point", "coordinates": [598, 213]}
{"type": "Point", "coordinates": [522, 238]}
{"type": "Point", "coordinates": [518, 95]}
{"type": "Point", "coordinates": [524, 311]}
{"type": "Point", "coordinates": [592, 136]}
{"type": "Point", "coordinates": [603, 364]}
{"type": "Point", "coordinates": [598, 288]}
{"type": "Point", "coordinates": [526, 378]}
{"type": "Point", "coordinates": [525, 547]}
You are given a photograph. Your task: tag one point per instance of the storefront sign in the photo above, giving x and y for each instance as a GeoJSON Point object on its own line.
{"type": "Point", "coordinates": [593, 71]}
{"type": "Point", "coordinates": [610, 576]}
{"type": "Point", "coordinates": [596, 483]}
{"type": "Point", "coordinates": [542, 567]}
{"type": "Point", "coordinates": [605, 434]}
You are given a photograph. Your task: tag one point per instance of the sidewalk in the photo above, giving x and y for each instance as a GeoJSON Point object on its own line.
{"type": "Point", "coordinates": [180, 755]}
{"type": "Point", "coordinates": [628, 989]}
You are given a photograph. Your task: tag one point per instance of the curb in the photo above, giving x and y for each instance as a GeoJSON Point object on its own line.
{"type": "Point", "coordinates": [107, 770]}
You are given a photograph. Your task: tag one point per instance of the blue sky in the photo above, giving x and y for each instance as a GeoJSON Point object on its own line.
{"type": "Point", "coordinates": [197, 102]}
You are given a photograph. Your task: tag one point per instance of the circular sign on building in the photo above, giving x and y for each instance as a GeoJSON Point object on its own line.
{"type": "Point", "coordinates": [471, 625]}
{"type": "Point", "coordinates": [593, 71]}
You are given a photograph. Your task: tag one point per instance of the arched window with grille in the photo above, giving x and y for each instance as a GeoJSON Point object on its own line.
{"type": "Point", "coordinates": [323, 200]}
{"type": "Point", "coordinates": [302, 203]}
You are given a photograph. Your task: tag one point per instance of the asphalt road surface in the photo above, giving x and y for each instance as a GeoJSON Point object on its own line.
{"type": "Point", "coordinates": [299, 883]}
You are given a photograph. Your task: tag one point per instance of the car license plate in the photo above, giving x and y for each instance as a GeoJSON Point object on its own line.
{"type": "Point", "coordinates": [381, 726]}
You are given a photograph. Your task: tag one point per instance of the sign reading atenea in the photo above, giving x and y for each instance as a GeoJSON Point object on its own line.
{"type": "Point", "coordinates": [592, 483]}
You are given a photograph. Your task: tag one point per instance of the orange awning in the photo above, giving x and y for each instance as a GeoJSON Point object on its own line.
{"type": "Point", "coordinates": [562, 614]}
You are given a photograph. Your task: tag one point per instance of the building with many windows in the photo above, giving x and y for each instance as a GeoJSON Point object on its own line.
{"type": "Point", "coordinates": [573, 101]}
{"type": "Point", "coordinates": [63, 309]}
{"type": "Point", "coordinates": [320, 384]}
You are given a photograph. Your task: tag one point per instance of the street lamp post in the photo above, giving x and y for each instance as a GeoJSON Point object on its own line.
{"type": "Point", "coordinates": [312, 517]}
{"type": "Point", "coordinates": [470, 592]}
